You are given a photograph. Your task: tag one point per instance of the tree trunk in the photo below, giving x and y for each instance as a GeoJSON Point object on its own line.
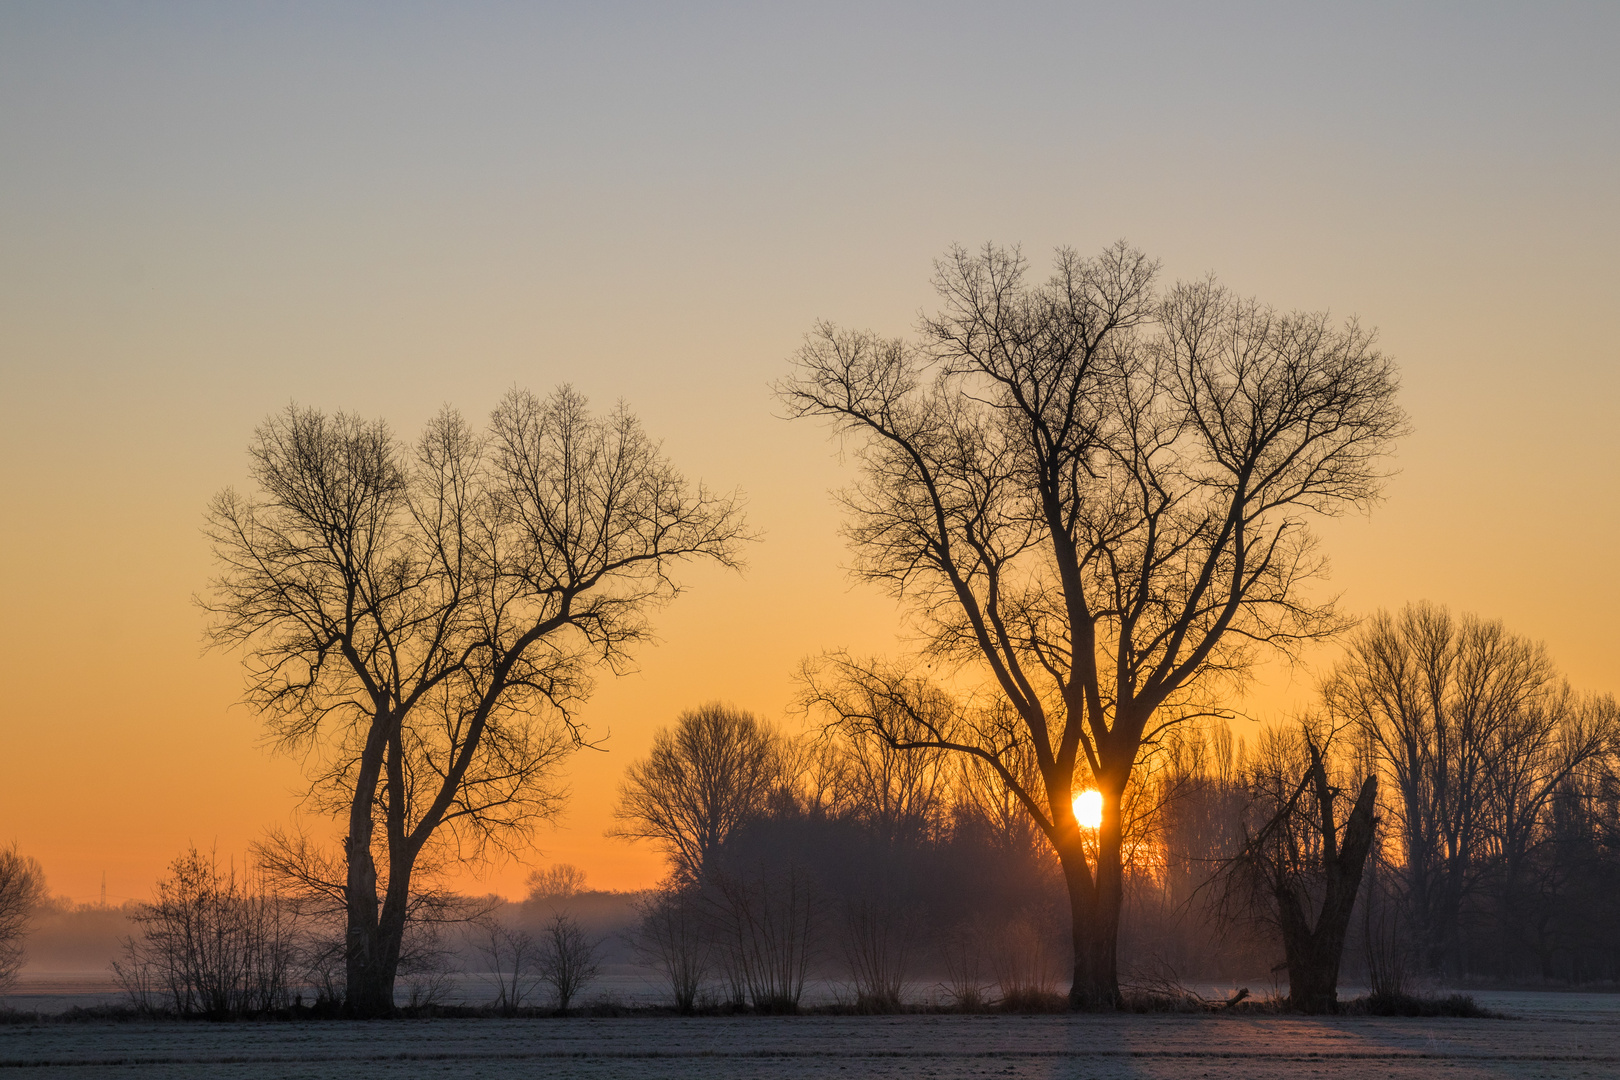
{"type": "Point", "coordinates": [1314, 954]}
{"type": "Point", "coordinates": [1313, 976]}
{"type": "Point", "coordinates": [364, 990]}
{"type": "Point", "coordinates": [368, 978]}
{"type": "Point", "coordinates": [1094, 906]}
{"type": "Point", "coordinates": [374, 952]}
{"type": "Point", "coordinates": [370, 957]}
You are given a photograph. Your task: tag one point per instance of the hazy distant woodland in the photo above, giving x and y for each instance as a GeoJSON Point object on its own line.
{"type": "Point", "coordinates": [891, 878]}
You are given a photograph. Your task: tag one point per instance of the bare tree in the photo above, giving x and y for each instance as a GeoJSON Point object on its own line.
{"type": "Point", "coordinates": [1097, 498]}
{"type": "Point", "coordinates": [422, 622]}
{"type": "Point", "coordinates": [559, 881]}
{"type": "Point", "coordinates": [313, 881]}
{"type": "Point", "coordinates": [567, 958]}
{"type": "Point", "coordinates": [514, 960]}
{"type": "Point", "coordinates": [22, 888]}
{"type": "Point", "coordinates": [714, 770]}
{"type": "Point", "coordinates": [898, 793]}
{"type": "Point", "coordinates": [1300, 869]}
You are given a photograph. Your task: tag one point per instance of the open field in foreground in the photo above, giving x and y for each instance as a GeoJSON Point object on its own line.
{"type": "Point", "coordinates": [1553, 1036]}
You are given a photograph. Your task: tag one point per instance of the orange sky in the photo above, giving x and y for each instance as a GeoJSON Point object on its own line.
{"type": "Point", "coordinates": [205, 213]}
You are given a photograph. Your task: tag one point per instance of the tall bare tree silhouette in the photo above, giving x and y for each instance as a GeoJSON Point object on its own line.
{"type": "Point", "coordinates": [1097, 495]}
{"type": "Point", "coordinates": [423, 621]}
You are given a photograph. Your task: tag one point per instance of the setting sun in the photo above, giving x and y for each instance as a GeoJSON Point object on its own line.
{"type": "Point", "coordinates": [1088, 809]}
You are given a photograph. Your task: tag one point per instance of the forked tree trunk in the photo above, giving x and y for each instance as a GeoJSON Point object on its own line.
{"type": "Point", "coordinates": [376, 939]}
{"type": "Point", "coordinates": [370, 991]}
{"type": "Point", "coordinates": [374, 932]}
{"type": "Point", "coordinates": [368, 979]}
{"type": "Point", "coordinates": [1314, 952]}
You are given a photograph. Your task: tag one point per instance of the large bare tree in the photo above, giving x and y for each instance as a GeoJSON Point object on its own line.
{"type": "Point", "coordinates": [422, 621]}
{"type": "Point", "coordinates": [1095, 496]}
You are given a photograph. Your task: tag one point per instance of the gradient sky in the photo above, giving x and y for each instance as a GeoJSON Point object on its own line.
{"type": "Point", "coordinates": [209, 210]}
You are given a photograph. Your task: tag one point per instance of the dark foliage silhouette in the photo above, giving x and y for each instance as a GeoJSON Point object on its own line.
{"type": "Point", "coordinates": [1481, 746]}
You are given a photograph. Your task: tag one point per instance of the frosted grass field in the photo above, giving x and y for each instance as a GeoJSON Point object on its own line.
{"type": "Point", "coordinates": [1553, 1035]}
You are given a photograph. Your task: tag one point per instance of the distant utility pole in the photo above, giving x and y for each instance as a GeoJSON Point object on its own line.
{"type": "Point", "coordinates": [104, 888]}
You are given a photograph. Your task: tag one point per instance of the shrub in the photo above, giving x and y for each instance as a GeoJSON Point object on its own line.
{"type": "Point", "coordinates": [567, 958]}
{"type": "Point", "coordinates": [213, 944]}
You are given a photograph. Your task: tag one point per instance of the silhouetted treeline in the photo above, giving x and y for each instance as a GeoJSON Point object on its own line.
{"type": "Point", "coordinates": [837, 859]}
{"type": "Point", "coordinates": [1498, 847]}
{"type": "Point", "coordinates": [1496, 852]}
{"type": "Point", "coordinates": [895, 873]}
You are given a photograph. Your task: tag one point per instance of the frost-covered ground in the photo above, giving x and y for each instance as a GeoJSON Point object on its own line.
{"type": "Point", "coordinates": [1557, 1035]}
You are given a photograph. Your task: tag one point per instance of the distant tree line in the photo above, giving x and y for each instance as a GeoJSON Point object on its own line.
{"type": "Point", "coordinates": [1450, 808]}
{"type": "Point", "coordinates": [794, 856]}
{"type": "Point", "coordinates": [1497, 848]}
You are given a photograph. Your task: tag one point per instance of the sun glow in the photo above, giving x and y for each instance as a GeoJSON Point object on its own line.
{"type": "Point", "coordinates": [1088, 809]}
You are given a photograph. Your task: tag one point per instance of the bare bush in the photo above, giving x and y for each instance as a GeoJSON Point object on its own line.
{"type": "Point", "coordinates": [673, 938]}
{"type": "Point", "coordinates": [765, 923]}
{"type": "Point", "coordinates": [880, 938]}
{"type": "Point", "coordinates": [1025, 966]}
{"type": "Point", "coordinates": [214, 943]}
{"type": "Point", "coordinates": [567, 960]}
{"type": "Point", "coordinates": [964, 970]}
{"type": "Point", "coordinates": [513, 958]}
{"type": "Point", "coordinates": [22, 888]}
